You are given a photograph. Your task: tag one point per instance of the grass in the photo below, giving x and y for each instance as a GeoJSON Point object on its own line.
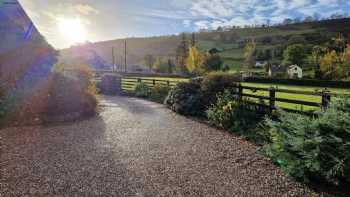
{"type": "Point", "coordinates": [173, 81]}
{"type": "Point", "coordinates": [299, 97]}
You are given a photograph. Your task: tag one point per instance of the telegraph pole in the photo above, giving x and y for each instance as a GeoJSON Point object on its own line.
{"type": "Point", "coordinates": [125, 56]}
{"type": "Point", "coordinates": [113, 60]}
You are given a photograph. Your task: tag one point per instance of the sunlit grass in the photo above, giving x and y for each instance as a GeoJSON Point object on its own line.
{"type": "Point", "coordinates": [299, 97]}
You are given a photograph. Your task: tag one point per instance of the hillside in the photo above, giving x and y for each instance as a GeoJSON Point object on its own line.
{"type": "Point", "coordinates": [229, 42]}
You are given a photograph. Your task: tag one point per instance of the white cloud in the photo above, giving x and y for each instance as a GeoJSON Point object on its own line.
{"type": "Point", "coordinates": [85, 9]}
{"type": "Point", "coordinates": [242, 12]}
{"type": "Point", "coordinates": [187, 23]}
{"type": "Point", "coordinates": [202, 24]}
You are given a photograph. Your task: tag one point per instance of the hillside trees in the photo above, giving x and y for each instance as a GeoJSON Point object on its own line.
{"type": "Point", "coordinates": [335, 65]}
{"type": "Point", "coordinates": [294, 54]}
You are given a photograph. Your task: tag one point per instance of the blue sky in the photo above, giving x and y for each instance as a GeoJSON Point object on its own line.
{"type": "Point", "coordinates": [111, 19]}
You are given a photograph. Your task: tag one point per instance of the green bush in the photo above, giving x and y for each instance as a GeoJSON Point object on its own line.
{"type": "Point", "coordinates": [142, 90]}
{"type": "Point", "coordinates": [313, 148]}
{"type": "Point", "coordinates": [186, 99]}
{"type": "Point", "coordinates": [237, 116]}
{"type": "Point", "coordinates": [214, 83]}
{"type": "Point", "coordinates": [159, 93]}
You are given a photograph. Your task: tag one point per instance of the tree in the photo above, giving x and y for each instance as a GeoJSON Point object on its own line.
{"type": "Point", "coordinates": [193, 40]}
{"type": "Point", "coordinates": [287, 21]}
{"type": "Point", "coordinates": [149, 61]}
{"type": "Point", "coordinates": [195, 61]}
{"type": "Point", "coordinates": [249, 51]}
{"type": "Point", "coordinates": [316, 55]}
{"type": "Point", "coordinates": [332, 66]}
{"type": "Point", "coordinates": [338, 44]}
{"type": "Point", "coordinates": [212, 62]}
{"type": "Point", "coordinates": [182, 54]}
{"type": "Point", "coordinates": [294, 54]}
{"type": "Point", "coordinates": [308, 19]}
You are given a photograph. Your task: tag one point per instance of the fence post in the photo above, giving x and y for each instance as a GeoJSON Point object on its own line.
{"type": "Point", "coordinates": [326, 99]}
{"type": "Point", "coordinates": [272, 98]}
{"type": "Point", "coordinates": [168, 83]}
{"type": "Point", "coordinates": [154, 82]}
{"type": "Point", "coordinates": [139, 80]}
{"type": "Point", "coordinates": [240, 92]}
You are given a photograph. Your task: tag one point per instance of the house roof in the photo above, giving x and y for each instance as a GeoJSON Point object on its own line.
{"type": "Point", "coordinates": [278, 69]}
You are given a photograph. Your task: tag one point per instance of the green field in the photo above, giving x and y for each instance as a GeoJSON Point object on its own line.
{"type": "Point", "coordinates": [299, 97]}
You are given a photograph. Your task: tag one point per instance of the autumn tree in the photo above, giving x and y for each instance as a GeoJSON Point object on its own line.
{"type": "Point", "coordinates": [195, 61]}
{"type": "Point", "coordinates": [249, 50]}
{"type": "Point", "coordinates": [332, 66]}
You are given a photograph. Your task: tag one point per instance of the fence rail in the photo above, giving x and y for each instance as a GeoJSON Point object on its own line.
{"type": "Point", "coordinates": [270, 96]}
{"type": "Point", "coordinates": [325, 96]}
{"type": "Point", "coordinates": [129, 83]}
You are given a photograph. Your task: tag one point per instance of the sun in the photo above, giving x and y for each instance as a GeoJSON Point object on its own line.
{"type": "Point", "coordinates": [72, 30]}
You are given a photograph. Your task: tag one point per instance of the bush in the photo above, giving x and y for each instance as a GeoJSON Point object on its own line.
{"type": "Point", "coordinates": [67, 96]}
{"type": "Point", "coordinates": [142, 90]}
{"type": "Point", "coordinates": [215, 83]}
{"type": "Point", "coordinates": [313, 148]}
{"type": "Point", "coordinates": [186, 99]}
{"type": "Point", "coordinates": [59, 98]}
{"type": "Point", "coordinates": [237, 116]}
{"type": "Point", "coordinates": [159, 93]}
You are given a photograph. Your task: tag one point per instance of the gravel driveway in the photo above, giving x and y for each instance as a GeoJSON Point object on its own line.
{"type": "Point", "coordinates": [135, 148]}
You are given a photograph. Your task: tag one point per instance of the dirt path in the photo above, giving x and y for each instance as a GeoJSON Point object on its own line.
{"type": "Point", "coordinates": [135, 148]}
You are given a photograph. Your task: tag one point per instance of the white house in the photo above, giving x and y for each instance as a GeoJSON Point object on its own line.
{"type": "Point", "coordinates": [295, 71]}
{"type": "Point", "coordinates": [260, 64]}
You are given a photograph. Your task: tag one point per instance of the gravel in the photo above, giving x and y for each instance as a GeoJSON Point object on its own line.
{"type": "Point", "coordinates": [136, 148]}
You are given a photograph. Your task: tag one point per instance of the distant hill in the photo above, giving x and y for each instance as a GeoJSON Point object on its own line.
{"type": "Point", "coordinates": [230, 42]}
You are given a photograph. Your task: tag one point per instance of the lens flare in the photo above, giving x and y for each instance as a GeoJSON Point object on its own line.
{"type": "Point", "coordinates": [72, 30]}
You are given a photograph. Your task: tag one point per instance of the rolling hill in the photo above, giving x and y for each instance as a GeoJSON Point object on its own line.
{"type": "Point", "coordinates": [230, 42]}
